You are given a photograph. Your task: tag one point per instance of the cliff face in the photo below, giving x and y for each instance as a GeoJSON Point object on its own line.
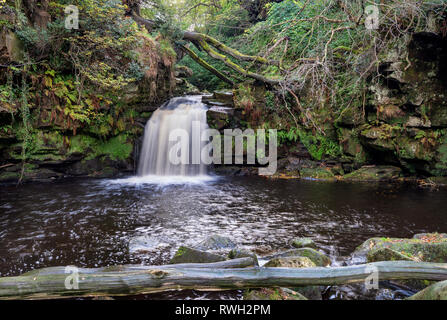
{"type": "Point", "coordinates": [47, 133]}
{"type": "Point", "coordinates": [405, 119]}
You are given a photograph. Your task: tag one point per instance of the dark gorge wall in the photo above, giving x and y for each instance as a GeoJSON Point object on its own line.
{"type": "Point", "coordinates": [44, 132]}
{"type": "Point", "coordinates": [405, 120]}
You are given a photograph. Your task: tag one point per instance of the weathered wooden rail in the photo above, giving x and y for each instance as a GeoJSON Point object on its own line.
{"type": "Point", "coordinates": [50, 283]}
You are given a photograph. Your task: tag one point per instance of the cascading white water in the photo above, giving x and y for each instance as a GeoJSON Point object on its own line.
{"type": "Point", "coordinates": [178, 113]}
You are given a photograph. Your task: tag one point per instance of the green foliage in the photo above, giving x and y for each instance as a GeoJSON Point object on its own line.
{"type": "Point", "coordinates": [117, 148]}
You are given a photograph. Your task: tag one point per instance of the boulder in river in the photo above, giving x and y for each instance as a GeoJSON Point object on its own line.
{"type": "Point", "coordinates": [216, 242]}
{"type": "Point", "coordinates": [190, 255]}
{"type": "Point", "coordinates": [310, 292]}
{"type": "Point", "coordinates": [374, 173]}
{"type": "Point", "coordinates": [387, 254]}
{"type": "Point", "coordinates": [291, 262]}
{"type": "Point", "coordinates": [431, 236]}
{"type": "Point", "coordinates": [426, 247]}
{"type": "Point", "coordinates": [303, 243]}
{"type": "Point", "coordinates": [320, 259]}
{"type": "Point", "coordinates": [437, 291]}
{"type": "Point", "coordinates": [272, 294]}
{"type": "Point", "coordinates": [242, 253]}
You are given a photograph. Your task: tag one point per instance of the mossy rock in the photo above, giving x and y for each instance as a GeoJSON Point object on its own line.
{"type": "Point", "coordinates": [440, 181]}
{"type": "Point", "coordinates": [317, 174]}
{"type": "Point", "coordinates": [374, 173]}
{"type": "Point", "coordinates": [303, 243]}
{"type": "Point", "coordinates": [437, 291]}
{"type": "Point", "coordinates": [190, 255]}
{"type": "Point", "coordinates": [215, 242]}
{"type": "Point", "coordinates": [351, 145]}
{"type": "Point", "coordinates": [310, 292]}
{"type": "Point", "coordinates": [291, 262]}
{"type": "Point", "coordinates": [242, 253]}
{"type": "Point", "coordinates": [431, 236]}
{"type": "Point", "coordinates": [272, 294]}
{"type": "Point", "coordinates": [15, 47]}
{"type": "Point", "coordinates": [386, 254]}
{"type": "Point", "coordinates": [223, 96]}
{"type": "Point", "coordinates": [351, 116]}
{"type": "Point", "coordinates": [432, 248]}
{"type": "Point", "coordinates": [320, 259]}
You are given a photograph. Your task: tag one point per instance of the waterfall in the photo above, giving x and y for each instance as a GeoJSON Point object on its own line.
{"type": "Point", "coordinates": [178, 113]}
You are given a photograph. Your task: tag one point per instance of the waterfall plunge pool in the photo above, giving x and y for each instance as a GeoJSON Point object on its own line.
{"type": "Point", "coordinates": [90, 223]}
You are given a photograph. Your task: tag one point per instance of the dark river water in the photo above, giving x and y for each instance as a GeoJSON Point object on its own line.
{"type": "Point", "coordinates": [91, 222]}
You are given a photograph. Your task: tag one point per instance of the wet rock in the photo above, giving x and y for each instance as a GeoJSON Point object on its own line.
{"type": "Point", "coordinates": [224, 96]}
{"type": "Point", "coordinates": [190, 255]}
{"type": "Point", "coordinates": [291, 262]}
{"type": "Point", "coordinates": [273, 294]}
{"type": "Point", "coordinates": [317, 174]}
{"type": "Point", "coordinates": [418, 122]}
{"type": "Point", "coordinates": [374, 173]}
{"type": "Point", "coordinates": [219, 117]}
{"type": "Point", "coordinates": [437, 291]}
{"type": "Point", "coordinates": [431, 248]}
{"type": "Point", "coordinates": [350, 117]}
{"type": "Point", "coordinates": [386, 254]}
{"type": "Point", "coordinates": [351, 144]}
{"type": "Point", "coordinates": [227, 170]}
{"type": "Point", "coordinates": [215, 242]}
{"type": "Point", "coordinates": [242, 253]}
{"type": "Point", "coordinates": [310, 292]}
{"type": "Point", "coordinates": [431, 236]}
{"type": "Point", "coordinates": [320, 259]}
{"type": "Point", "coordinates": [219, 98]}
{"type": "Point", "coordinates": [439, 181]}
{"type": "Point", "coordinates": [303, 243]}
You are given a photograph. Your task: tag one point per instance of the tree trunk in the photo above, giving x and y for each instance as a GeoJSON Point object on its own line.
{"type": "Point", "coordinates": [131, 280]}
{"type": "Point", "coordinates": [203, 41]}
{"type": "Point", "coordinates": [207, 66]}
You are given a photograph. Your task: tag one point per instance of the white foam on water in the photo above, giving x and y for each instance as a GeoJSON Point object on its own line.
{"type": "Point", "coordinates": [164, 180]}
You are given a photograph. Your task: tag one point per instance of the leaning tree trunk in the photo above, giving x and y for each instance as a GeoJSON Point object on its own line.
{"type": "Point", "coordinates": [131, 280]}
{"type": "Point", "coordinates": [207, 44]}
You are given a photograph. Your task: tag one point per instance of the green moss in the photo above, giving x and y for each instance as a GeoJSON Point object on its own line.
{"type": "Point", "coordinates": [317, 173]}
{"type": "Point", "coordinates": [374, 173]}
{"type": "Point", "coordinates": [180, 252]}
{"type": "Point", "coordinates": [117, 148]}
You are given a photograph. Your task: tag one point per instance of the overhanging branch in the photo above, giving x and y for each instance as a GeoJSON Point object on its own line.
{"type": "Point", "coordinates": [206, 65]}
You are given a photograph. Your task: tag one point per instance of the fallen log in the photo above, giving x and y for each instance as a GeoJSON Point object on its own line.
{"type": "Point", "coordinates": [51, 283]}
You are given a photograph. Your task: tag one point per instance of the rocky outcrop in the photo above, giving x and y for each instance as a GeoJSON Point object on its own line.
{"type": "Point", "coordinates": [423, 247]}
{"type": "Point", "coordinates": [406, 116]}
{"type": "Point", "coordinates": [243, 253]}
{"type": "Point", "coordinates": [60, 141]}
{"type": "Point", "coordinates": [291, 262]}
{"type": "Point", "coordinates": [437, 291]}
{"type": "Point", "coordinates": [318, 258]}
{"type": "Point", "coordinates": [273, 294]}
{"type": "Point", "coordinates": [190, 255]}
{"type": "Point", "coordinates": [303, 243]}
{"type": "Point", "coordinates": [215, 243]}
{"type": "Point", "coordinates": [374, 173]}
